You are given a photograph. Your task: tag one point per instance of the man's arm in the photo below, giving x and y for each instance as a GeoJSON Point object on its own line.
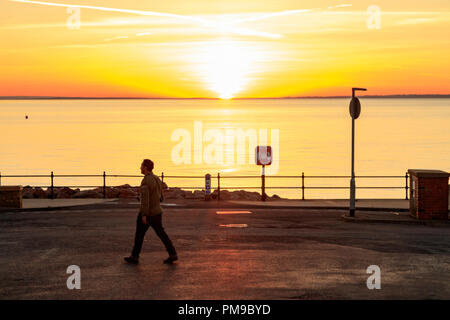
{"type": "Point", "coordinates": [145, 197]}
{"type": "Point", "coordinates": [161, 188]}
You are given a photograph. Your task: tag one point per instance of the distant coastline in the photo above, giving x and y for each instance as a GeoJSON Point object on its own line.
{"type": "Point", "coordinates": [396, 96]}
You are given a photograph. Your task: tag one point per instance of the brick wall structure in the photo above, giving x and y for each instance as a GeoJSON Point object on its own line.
{"type": "Point", "coordinates": [429, 194]}
{"type": "Point", "coordinates": [11, 196]}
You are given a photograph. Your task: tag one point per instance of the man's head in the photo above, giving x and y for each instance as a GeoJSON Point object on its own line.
{"type": "Point", "coordinates": [146, 166]}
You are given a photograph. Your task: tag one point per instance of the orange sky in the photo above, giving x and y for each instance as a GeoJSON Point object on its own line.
{"type": "Point", "coordinates": [236, 48]}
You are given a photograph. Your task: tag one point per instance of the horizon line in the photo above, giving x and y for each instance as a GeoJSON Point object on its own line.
{"type": "Point", "coordinates": [206, 98]}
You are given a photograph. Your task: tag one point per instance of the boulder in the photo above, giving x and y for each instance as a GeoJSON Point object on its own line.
{"type": "Point", "coordinates": [173, 193]}
{"type": "Point", "coordinates": [214, 195]}
{"type": "Point", "coordinates": [39, 193]}
{"type": "Point", "coordinates": [187, 194]}
{"type": "Point", "coordinates": [55, 191]}
{"type": "Point", "coordinates": [112, 192]}
{"type": "Point", "coordinates": [87, 194]}
{"type": "Point", "coordinates": [239, 195]}
{"type": "Point", "coordinates": [27, 192]}
{"type": "Point", "coordinates": [224, 194]}
{"type": "Point", "coordinates": [64, 193]}
{"type": "Point", "coordinates": [127, 193]}
{"type": "Point", "coordinates": [126, 186]}
{"type": "Point", "coordinates": [245, 195]}
{"type": "Point", "coordinates": [274, 197]}
{"type": "Point", "coordinates": [254, 196]}
{"type": "Point", "coordinates": [136, 189]}
{"type": "Point", "coordinates": [199, 194]}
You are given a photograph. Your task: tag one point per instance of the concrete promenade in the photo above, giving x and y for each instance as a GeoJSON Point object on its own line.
{"type": "Point", "coordinates": [60, 203]}
{"type": "Point", "coordinates": [394, 204]}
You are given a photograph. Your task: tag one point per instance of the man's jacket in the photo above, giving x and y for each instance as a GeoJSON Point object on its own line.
{"type": "Point", "coordinates": [151, 195]}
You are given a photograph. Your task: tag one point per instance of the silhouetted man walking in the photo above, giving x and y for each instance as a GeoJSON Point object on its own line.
{"type": "Point", "coordinates": [150, 214]}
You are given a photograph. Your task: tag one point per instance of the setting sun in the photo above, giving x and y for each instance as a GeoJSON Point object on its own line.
{"type": "Point", "coordinates": [225, 67]}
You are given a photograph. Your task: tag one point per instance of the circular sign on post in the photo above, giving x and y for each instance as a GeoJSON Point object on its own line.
{"type": "Point", "coordinates": [355, 108]}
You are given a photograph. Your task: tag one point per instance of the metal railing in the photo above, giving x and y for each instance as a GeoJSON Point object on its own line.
{"type": "Point", "coordinates": [263, 187]}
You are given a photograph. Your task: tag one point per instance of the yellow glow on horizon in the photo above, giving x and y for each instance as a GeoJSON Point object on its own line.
{"type": "Point", "coordinates": [235, 49]}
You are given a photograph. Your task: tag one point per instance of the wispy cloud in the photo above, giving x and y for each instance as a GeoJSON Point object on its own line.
{"type": "Point", "coordinates": [143, 34]}
{"type": "Point", "coordinates": [116, 38]}
{"type": "Point", "coordinates": [415, 21]}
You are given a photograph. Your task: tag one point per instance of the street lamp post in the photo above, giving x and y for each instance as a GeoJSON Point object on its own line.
{"type": "Point", "coordinates": [355, 110]}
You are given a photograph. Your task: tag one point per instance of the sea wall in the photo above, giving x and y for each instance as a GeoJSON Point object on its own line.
{"type": "Point", "coordinates": [130, 192]}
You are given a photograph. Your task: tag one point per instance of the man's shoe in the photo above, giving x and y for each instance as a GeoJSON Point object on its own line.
{"type": "Point", "coordinates": [131, 260]}
{"type": "Point", "coordinates": [171, 259]}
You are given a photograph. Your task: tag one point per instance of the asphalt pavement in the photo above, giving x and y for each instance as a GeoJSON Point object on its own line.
{"type": "Point", "coordinates": [241, 253]}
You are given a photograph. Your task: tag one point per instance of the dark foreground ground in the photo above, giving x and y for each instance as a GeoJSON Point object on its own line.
{"type": "Point", "coordinates": [282, 254]}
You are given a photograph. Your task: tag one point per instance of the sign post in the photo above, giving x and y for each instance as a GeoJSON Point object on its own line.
{"type": "Point", "coordinates": [263, 183]}
{"type": "Point", "coordinates": [355, 110]}
{"type": "Point", "coordinates": [263, 157]}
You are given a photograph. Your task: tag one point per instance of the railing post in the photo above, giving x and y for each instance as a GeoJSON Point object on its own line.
{"type": "Point", "coordinates": [218, 186]}
{"type": "Point", "coordinates": [303, 186]}
{"type": "Point", "coordinates": [104, 185]}
{"type": "Point", "coordinates": [406, 185]}
{"type": "Point", "coordinates": [51, 187]}
{"type": "Point", "coordinates": [162, 176]}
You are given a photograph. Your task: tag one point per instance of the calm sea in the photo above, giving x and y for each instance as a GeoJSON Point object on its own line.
{"type": "Point", "coordinates": [195, 137]}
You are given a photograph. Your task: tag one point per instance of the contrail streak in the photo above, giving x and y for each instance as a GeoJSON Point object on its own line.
{"type": "Point", "coordinates": [274, 14]}
{"type": "Point", "coordinates": [340, 6]}
{"type": "Point", "coordinates": [286, 13]}
{"type": "Point", "coordinates": [222, 27]}
{"type": "Point", "coordinates": [139, 12]}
